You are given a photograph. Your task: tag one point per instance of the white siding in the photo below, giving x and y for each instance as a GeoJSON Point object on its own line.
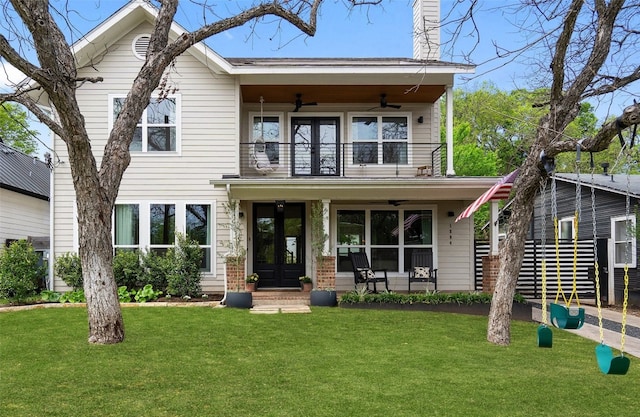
{"type": "Point", "coordinates": [209, 123]}
{"type": "Point", "coordinates": [22, 216]}
{"type": "Point", "coordinates": [426, 30]}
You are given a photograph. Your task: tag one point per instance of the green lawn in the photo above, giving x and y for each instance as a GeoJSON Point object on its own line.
{"type": "Point", "coordinates": [332, 362]}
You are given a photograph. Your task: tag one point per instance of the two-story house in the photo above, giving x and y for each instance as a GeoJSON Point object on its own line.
{"type": "Point", "coordinates": [276, 135]}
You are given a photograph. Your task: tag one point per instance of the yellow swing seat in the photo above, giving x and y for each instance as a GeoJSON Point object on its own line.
{"type": "Point", "coordinates": [566, 317]}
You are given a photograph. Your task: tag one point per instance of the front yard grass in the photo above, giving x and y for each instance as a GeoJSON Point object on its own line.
{"type": "Point", "coordinates": [332, 362]}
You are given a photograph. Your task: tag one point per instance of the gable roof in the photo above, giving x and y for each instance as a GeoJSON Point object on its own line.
{"type": "Point", "coordinates": [23, 174]}
{"type": "Point", "coordinates": [613, 183]}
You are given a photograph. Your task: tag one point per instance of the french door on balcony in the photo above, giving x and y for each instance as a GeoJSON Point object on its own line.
{"type": "Point", "coordinates": [315, 146]}
{"type": "Point", "coordinates": [278, 244]}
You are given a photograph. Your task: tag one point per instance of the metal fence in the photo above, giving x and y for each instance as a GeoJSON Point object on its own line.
{"type": "Point", "coordinates": [530, 278]}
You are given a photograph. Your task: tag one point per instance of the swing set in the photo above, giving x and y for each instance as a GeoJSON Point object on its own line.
{"type": "Point", "coordinates": [567, 316]}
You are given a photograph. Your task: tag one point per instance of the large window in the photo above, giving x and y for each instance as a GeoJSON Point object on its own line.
{"type": "Point", "coordinates": [157, 129]}
{"type": "Point", "coordinates": [380, 139]}
{"type": "Point", "coordinates": [267, 128]}
{"type": "Point", "coordinates": [388, 236]}
{"type": "Point", "coordinates": [624, 241]}
{"type": "Point", "coordinates": [153, 226]}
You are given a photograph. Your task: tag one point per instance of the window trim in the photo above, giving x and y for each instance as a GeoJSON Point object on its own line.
{"type": "Point", "coordinates": [380, 139]}
{"type": "Point", "coordinates": [178, 124]}
{"type": "Point", "coordinates": [615, 241]}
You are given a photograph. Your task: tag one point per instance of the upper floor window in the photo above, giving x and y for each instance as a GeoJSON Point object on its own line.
{"type": "Point", "coordinates": [380, 139]}
{"type": "Point", "coordinates": [158, 128]}
{"type": "Point", "coordinates": [269, 129]}
{"type": "Point", "coordinates": [624, 241]}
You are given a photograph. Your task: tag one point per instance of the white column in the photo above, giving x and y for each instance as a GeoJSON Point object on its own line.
{"type": "Point", "coordinates": [494, 228]}
{"type": "Point", "coordinates": [449, 132]}
{"type": "Point", "coordinates": [325, 225]}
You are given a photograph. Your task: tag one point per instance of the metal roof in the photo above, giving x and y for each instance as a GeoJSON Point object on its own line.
{"type": "Point", "coordinates": [614, 183]}
{"type": "Point", "coordinates": [22, 173]}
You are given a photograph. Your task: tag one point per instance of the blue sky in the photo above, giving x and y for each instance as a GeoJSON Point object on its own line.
{"type": "Point", "coordinates": [375, 31]}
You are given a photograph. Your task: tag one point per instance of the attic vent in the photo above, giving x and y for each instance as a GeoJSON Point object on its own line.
{"type": "Point", "coordinates": [140, 45]}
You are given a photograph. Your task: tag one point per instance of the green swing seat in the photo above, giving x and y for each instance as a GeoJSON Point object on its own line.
{"type": "Point", "coordinates": [566, 318]}
{"type": "Point", "coordinates": [545, 337]}
{"type": "Point", "coordinates": [609, 364]}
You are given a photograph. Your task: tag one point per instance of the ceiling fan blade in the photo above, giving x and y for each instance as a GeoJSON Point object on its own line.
{"type": "Point", "coordinates": [299, 102]}
{"type": "Point", "coordinates": [394, 106]}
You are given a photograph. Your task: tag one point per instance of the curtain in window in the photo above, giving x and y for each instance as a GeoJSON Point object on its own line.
{"type": "Point", "coordinates": [126, 224]}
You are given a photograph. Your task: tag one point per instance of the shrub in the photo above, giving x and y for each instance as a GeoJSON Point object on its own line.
{"type": "Point", "coordinates": [20, 271]}
{"type": "Point", "coordinates": [69, 269]}
{"type": "Point", "coordinates": [147, 294]}
{"type": "Point", "coordinates": [186, 258]}
{"type": "Point", "coordinates": [156, 267]}
{"type": "Point", "coordinates": [127, 269]}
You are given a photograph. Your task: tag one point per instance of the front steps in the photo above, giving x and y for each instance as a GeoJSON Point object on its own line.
{"type": "Point", "coordinates": [280, 297]}
{"type": "Point", "coordinates": [277, 301]}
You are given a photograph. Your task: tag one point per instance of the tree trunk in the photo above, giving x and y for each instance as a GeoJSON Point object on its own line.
{"type": "Point", "coordinates": [512, 252]}
{"type": "Point", "coordinates": [106, 325]}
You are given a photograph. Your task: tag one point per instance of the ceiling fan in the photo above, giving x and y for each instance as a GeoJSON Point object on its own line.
{"type": "Point", "coordinates": [299, 103]}
{"type": "Point", "coordinates": [384, 104]}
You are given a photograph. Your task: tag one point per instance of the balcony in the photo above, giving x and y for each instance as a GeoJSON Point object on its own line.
{"type": "Point", "coordinates": [364, 159]}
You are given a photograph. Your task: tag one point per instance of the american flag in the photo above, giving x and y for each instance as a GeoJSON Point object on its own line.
{"type": "Point", "coordinates": [499, 191]}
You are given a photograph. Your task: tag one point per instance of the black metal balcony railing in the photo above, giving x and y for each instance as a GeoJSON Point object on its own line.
{"type": "Point", "coordinates": [399, 159]}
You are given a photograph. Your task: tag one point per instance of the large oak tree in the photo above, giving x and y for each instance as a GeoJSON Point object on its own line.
{"type": "Point", "coordinates": [579, 50]}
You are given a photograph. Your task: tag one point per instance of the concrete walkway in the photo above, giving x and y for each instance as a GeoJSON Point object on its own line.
{"type": "Point", "coordinates": [611, 324]}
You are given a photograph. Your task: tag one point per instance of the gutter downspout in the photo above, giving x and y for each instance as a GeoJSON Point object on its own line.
{"type": "Point", "coordinates": [50, 258]}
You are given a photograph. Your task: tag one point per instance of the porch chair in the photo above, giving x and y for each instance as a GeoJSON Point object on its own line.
{"type": "Point", "coordinates": [363, 274]}
{"type": "Point", "coordinates": [421, 268]}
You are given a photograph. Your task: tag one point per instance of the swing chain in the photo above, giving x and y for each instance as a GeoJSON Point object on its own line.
{"type": "Point", "coordinates": [596, 265]}
{"type": "Point", "coordinates": [543, 243]}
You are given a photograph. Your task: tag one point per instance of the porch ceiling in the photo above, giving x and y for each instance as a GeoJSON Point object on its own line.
{"type": "Point", "coordinates": [326, 94]}
{"type": "Point", "coordinates": [357, 189]}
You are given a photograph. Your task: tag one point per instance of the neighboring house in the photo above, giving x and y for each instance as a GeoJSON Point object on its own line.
{"type": "Point", "coordinates": [360, 134]}
{"type": "Point", "coordinates": [24, 199]}
{"type": "Point", "coordinates": [612, 236]}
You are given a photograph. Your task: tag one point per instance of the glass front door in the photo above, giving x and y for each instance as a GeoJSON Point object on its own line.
{"type": "Point", "coordinates": [315, 146]}
{"type": "Point", "coordinates": [278, 248]}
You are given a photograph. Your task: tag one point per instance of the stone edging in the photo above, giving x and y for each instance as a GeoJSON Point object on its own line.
{"type": "Point", "coordinates": [127, 305]}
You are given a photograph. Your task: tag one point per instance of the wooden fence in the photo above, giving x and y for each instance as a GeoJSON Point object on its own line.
{"type": "Point", "coordinates": [530, 278]}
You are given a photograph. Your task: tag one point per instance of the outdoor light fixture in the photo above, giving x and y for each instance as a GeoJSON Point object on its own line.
{"type": "Point", "coordinates": [280, 206]}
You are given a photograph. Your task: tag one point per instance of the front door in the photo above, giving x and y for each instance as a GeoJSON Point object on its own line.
{"type": "Point", "coordinates": [278, 244]}
{"type": "Point", "coordinates": [315, 146]}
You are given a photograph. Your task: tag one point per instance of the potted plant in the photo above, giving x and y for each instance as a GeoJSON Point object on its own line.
{"type": "Point", "coordinates": [250, 282]}
{"type": "Point", "coordinates": [236, 294]}
{"type": "Point", "coordinates": [306, 282]}
{"type": "Point", "coordinates": [324, 265]}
